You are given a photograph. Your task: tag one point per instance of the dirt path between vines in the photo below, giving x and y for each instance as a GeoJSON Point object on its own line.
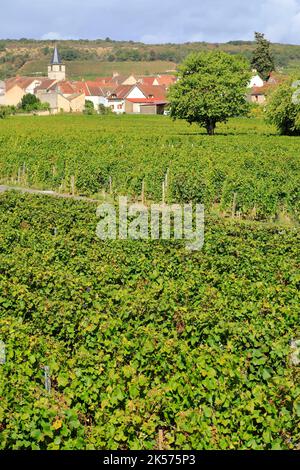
{"type": "Point", "coordinates": [4, 188]}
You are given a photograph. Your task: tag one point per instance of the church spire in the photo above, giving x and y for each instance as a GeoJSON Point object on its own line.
{"type": "Point", "coordinates": [56, 69]}
{"type": "Point", "coordinates": [56, 60]}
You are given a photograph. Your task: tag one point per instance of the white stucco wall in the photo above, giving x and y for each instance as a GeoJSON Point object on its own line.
{"type": "Point", "coordinates": [32, 86]}
{"type": "Point", "coordinates": [135, 93]}
{"type": "Point", "coordinates": [256, 81]}
{"type": "Point", "coordinates": [136, 108]}
{"type": "Point", "coordinates": [117, 106]}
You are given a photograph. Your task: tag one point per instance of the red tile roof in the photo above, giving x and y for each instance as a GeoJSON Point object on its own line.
{"type": "Point", "coordinates": [45, 84]}
{"type": "Point", "coordinates": [147, 80]}
{"type": "Point", "coordinates": [106, 81]}
{"type": "Point", "coordinates": [22, 82]}
{"type": "Point", "coordinates": [263, 90]}
{"type": "Point", "coordinates": [157, 92]}
{"type": "Point", "coordinates": [95, 89]}
{"type": "Point", "coordinates": [121, 92]}
{"type": "Point", "coordinates": [65, 87]}
{"type": "Point", "coordinates": [146, 100]}
{"type": "Point", "coordinates": [166, 80]}
{"type": "Point", "coordinates": [81, 87]}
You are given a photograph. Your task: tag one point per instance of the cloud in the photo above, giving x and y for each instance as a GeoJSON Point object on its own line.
{"type": "Point", "coordinates": [54, 36]}
{"type": "Point", "coordinates": [282, 19]}
{"type": "Point", "coordinates": [152, 21]}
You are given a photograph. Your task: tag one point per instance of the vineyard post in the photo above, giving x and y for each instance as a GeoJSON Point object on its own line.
{"type": "Point", "coordinates": [166, 182]}
{"type": "Point", "coordinates": [160, 439]}
{"type": "Point", "coordinates": [19, 175]}
{"type": "Point", "coordinates": [163, 193]}
{"type": "Point", "coordinates": [73, 185]}
{"type": "Point", "coordinates": [110, 185]}
{"type": "Point", "coordinates": [143, 191]}
{"type": "Point", "coordinates": [234, 204]}
{"type": "Point", "coordinates": [167, 178]}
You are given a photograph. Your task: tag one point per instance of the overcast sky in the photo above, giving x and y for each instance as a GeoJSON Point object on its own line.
{"type": "Point", "coordinates": [151, 21]}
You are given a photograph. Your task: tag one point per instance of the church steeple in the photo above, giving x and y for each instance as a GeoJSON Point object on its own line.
{"type": "Point", "coordinates": [56, 60]}
{"type": "Point", "coordinates": [56, 69]}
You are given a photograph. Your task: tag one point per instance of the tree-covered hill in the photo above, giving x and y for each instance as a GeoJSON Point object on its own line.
{"type": "Point", "coordinates": [27, 56]}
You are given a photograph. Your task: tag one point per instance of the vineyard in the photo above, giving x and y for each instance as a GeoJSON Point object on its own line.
{"type": "Point", "coordinates": [91, 155]}
{"type": "Point", "coordinates": [143, 344]}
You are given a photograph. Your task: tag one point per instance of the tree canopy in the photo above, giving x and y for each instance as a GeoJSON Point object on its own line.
{"type": "Point", "coordinates": [262, 59]}
{"type": "Point", "coordinates": [31, 103]}
{"type": "Point", "coordinates": [283, 108]}
{"type": "Point", "coordinates": [211, 88]}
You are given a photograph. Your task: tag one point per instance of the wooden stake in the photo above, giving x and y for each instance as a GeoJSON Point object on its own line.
{"type": "Point", "coordinates": [234, 205]}
{"type": "Point", "coordinates": [160, 439]}
{"type": "Point", "coordinates": [167, 179]}
{"type": "Point", "coordinates": [73, 185]}
{"type": "Point", "coordinates": [110, 185]}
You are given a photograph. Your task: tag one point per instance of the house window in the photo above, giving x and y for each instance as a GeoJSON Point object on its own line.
{"type": "Point", "coordinates": [120, 106]}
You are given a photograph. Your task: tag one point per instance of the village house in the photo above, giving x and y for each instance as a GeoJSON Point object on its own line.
{"type": "Point", "coordinates": [11, 94]}
{"type": "Point", "coordinates": [258, 95]}
{"type": "Point", "coordinates": [122, 94]}
{"type": "Point", "coordinates": [138, 99]}
{"type": "Point", "coordinates": [259, 89]}
{"type": "Point", "coordinates": [256, 81]}
{"type": "Point", "coordinates": [58, 92]}
{"type": "Point", "coordinates": [96, 92]}
{"type": "Point", "coordinates": [54, 89]}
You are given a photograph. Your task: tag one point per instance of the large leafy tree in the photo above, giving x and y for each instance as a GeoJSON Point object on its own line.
{"type": "Point", "coordinates": [211, 88]}
{"type": "Point", "coordinates": [283, 108]}
{"type": "Point", "coordinates": [262, 59]}
{"type": "Point", "coordinates": [30, 103]}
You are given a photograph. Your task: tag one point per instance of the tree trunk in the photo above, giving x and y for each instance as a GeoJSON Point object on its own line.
{"type": "Point", "coordinates": [210, 127]}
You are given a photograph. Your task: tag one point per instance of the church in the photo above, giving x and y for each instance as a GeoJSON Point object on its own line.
{"type": "Point", "coordinates": [61, 94]}
{"type": "Point", "coordinates": [56, 69]}
{"type": "Point", "coordinates": [121, 94]}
